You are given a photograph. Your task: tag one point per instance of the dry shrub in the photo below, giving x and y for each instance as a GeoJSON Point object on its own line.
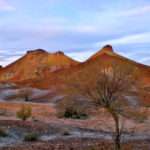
{"type": "Point", "coordinates": [138, 115]}
{"type": "Point", "coordinates": [24, 113]}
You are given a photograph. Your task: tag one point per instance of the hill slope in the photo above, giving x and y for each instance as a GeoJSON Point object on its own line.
{"type": "Point", "coordinates": [33, 64]}
{"type": "Point", "coordinates": [105, 56]}
{"type": "Point", "coordinates": [41, 69]}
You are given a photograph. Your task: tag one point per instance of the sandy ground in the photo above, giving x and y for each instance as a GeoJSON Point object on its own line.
{"type": "Point", "coordinates": [47, 113]}
{"type": "Point", "coordinates": [44, 117]}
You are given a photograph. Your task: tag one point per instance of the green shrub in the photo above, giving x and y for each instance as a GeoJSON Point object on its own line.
{"type": "Point", "coordinates": [24, 113]}
{"type": "Point", "coordinates": [74, 114]}
{"type": "Point", "coordinates": [30, 137]}
{"type": "Point", "coordinates": [72, 108]}
{"type": "Point", "coordinates": [3, 133]}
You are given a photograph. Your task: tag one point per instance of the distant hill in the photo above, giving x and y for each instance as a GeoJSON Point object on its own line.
{"type": "Point", "coordinates": [33, 64]}
{"type": "Point", "coordinates": [49, 69]}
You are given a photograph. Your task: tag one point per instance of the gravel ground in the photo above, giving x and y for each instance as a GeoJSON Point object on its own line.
{"type": "Point", "coordinates": [52, 138]}
{"type": "Point", "coordinates": [79, 144]}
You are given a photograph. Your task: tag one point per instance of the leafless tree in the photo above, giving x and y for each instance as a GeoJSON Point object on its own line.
{"type": "Point", "coordinates": [106, 85]}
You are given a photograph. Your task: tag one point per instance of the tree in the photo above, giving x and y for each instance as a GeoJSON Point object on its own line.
{"type": "Point", "coordinates": [106, 86]}
{"type": "Point", "coordinates": [24, 113]}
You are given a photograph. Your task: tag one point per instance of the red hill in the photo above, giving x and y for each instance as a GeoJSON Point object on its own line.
{"type": "Point", "coordinates": [50, 69]}
{"type": "Point", "coordinates": [105, 55]}
{"type": "Point", "coordinates": [34, 63]}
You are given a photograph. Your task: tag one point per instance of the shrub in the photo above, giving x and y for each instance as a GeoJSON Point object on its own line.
{"type": "Point", "coordinates": [30, 137]}
{"type": "Point", "coordinates": [138, 115]}
{"type": "Point", "coordinates": [72, 108]}
{"type": "Point", "coordinates": [2, 133]}
{"type": "Point", "coordinates": [25, 93]}
{"type": "Point", "coordinates": [3, 112]}
{"type": "Point", "coordinates": [65, 132]}
{"type": "Point", "coordinates": [24, 113]}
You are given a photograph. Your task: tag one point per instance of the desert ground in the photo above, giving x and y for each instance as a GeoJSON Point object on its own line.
{"type": "Point", "coordinates": [92, 133]}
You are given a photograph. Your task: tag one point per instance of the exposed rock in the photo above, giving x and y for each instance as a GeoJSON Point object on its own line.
{"type": "Point", "coordinates": [107, 48]}
{"type": "Point", "coordinates": [36, 51]}
{"type": "Point", "coordinates": [59, 53]}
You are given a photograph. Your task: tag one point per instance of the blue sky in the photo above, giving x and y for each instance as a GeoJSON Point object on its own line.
{"type": "Point", "coordinates": [77, 27]}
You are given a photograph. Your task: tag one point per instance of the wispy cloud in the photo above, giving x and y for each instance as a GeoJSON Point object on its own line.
{"type": "Point", "coordinates": [130, 39]}
{"type": "Point", "coordinates": [135, 11]}
{"type": "Point", "coordinates": [5, 6]}
{"type": "Point", "coordinates": [75, 27]}
{"type": "Point", "coordinates": [81, 56]}
{"type": "Point", "coordinates": [8, 60]}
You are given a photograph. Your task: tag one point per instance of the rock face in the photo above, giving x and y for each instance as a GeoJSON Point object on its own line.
{"type": "Point", "coordinates": [59, 53]}
{"type": "Point", "coordinates": [107, 48]}
{"type": "Point", "coordinates": [36, 51]}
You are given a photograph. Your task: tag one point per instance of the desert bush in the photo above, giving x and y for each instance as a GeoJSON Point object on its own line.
{"type": "Point", "coordinates": [3, 112]}
{"type": "Point", "coordinates": [72, 108]}
{"type": "Point", "coordinates": [30, 137]}
{"type": "Point", "coordinates": [24, 113]}
{"type": "Point", "coordinates": [138, 115]}
{"type": "Point", "coordinates": [25, 93]}
{"type": "Point", "coordinates": [147, 105]}
{"type": "Point", "coordinates": [65, 132]}
{"type": "Point", "coordinates": [34, 119]}
{"type": "Point", "coordinates": [3, 133]}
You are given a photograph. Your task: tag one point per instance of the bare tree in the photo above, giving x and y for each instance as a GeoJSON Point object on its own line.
{"type": "Point", "coordinates": [106, 86]}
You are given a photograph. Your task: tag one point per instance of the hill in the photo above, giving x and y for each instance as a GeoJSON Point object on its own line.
{"type": "Point", "coordinates": [41, 69]}
{"type": "Point", "coordinates": [105, 56]}
{"type": "Point", "coordinates": [33, 64]}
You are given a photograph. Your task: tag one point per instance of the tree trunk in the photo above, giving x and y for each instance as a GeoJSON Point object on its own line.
{"type": "Point", "coordinates": [117, 135]}
{"type": "Point", "coordinates": [117, 140]}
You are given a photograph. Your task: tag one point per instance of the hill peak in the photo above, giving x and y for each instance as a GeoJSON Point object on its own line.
{"type": "Point", "coordinates": [36, 51]}
{"type": "Point", "coordinates": [59, 53]}
{"type": "Point", "coordinates": [107, 48]}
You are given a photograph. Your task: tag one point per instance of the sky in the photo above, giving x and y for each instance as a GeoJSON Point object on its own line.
{"type": "Point", "coordinates": [77, 27]}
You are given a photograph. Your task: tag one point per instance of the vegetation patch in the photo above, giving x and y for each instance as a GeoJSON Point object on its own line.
{"type": "Point", "coordinates": [3, 133]}
{"type": "Point", "coordinates": [31, 137]}
{"type": "Point", "coordinates": [24, 113]}
{"type": "Point", "coordinates": [72, 108]}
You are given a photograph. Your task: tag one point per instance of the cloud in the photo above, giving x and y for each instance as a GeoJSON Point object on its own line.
{"type": "Point", "coordinates": [8, 60]}
{"type": "Point", "coordinates": [146, 61]}
{"type": "Point", "coordinates": [76, 27]}
{"type": "Point", "coordinates": [135, 11]}
{"type": "Point", "coordinates": [5, 6]}
{"type": "Point", "coordinates": [130, 39]}
{"type": "Point", "coordinates": [81, 56]}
